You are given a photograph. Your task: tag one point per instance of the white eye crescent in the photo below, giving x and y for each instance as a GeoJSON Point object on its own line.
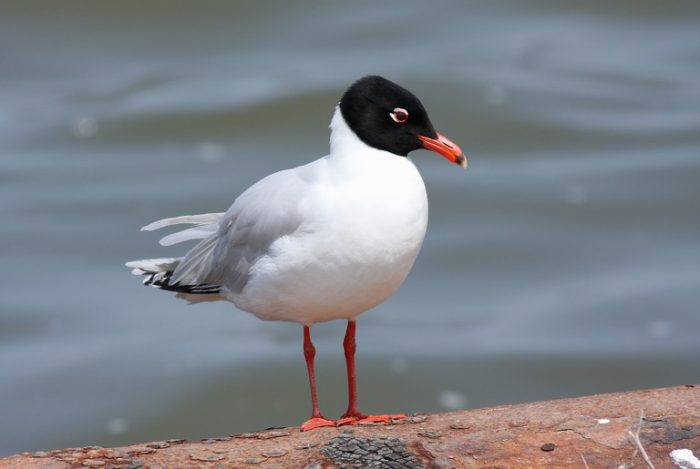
{"type": "Point", "coordinates": [399, 115]}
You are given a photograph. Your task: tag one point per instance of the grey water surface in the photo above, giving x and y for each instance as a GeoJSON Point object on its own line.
{"type": "Point", "coordinates": [565, 261]}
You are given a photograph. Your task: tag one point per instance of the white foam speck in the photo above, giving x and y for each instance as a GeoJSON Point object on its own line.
{"type": "Point", "coordinates": [685, 459]}
{"type": "Point", "coordinates": [210, 152]}
{"type": "Point", "coordinates": [659, 329]}
{"type": "Point", "coordinates": [399, 365]}
{"type": "Point", "coordinates": [117, 426]}
{"type": "Point", "coordinates": [85, 127]}
{"type": "Point", "coordinates": [452, 400]}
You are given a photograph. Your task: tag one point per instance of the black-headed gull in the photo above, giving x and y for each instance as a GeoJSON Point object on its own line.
{"type": "Point", "coordinates": [327, 240]}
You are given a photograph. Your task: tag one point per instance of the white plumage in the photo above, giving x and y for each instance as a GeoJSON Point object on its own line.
{"type": "Point", "coordinates": [326, 240]}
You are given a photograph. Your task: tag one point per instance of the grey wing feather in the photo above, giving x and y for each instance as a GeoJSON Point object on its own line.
{"type": "Point", "coordinates": [202, 219]}
{"type": "Point", "coordinates": [267, 211]}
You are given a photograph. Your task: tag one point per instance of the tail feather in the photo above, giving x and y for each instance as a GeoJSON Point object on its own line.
{"type": "Point", "coordinates": [162, 280]}
{"type": "Point", "coordinates": [193, 267]}
{"type": "Point", "coordinates": [197, 232]}
{"type": "Point", "coordinates": [158, 274]}
{"type": "Point", "coordinates": [206, 224]}
{"type": "Point", "coordinates": [150, 266]}
{"type": "Point", "coordinates": [182, 275]}
{"type": "Point", "coordinates": [201, 219]}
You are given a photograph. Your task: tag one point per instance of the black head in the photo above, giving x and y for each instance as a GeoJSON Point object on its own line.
{"type": "Point", "coordinates": [386, 116]}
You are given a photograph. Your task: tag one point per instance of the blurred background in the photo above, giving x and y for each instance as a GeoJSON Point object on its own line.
{"type": "Point", "coordinates": [565, 261]}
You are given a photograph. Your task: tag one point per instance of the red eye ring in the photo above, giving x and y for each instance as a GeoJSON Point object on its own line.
{"type": "Point", "coordinates": [399, 115]}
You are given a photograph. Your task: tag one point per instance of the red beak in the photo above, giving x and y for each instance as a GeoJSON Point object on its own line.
{"type": "Point", "coordinates": [446, 148]}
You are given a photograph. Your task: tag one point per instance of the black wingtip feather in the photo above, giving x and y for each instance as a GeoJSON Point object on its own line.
{"type": "Point", "coordinates": [162, 280]}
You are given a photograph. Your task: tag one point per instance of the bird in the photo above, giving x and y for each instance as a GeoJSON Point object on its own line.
{"type": "Point", "coordinates": [328, 240]}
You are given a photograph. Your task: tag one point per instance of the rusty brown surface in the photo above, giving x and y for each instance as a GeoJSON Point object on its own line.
{"type": "Point", "coordinates": [590, 432]}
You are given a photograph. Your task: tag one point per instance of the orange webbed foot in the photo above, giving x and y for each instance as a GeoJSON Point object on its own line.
{"type": "Point", "coordinates": [316, 422]}
{"type": "Point", "coordinates": [384, 418]}
{"type": "Point", "coordinates": [362, 419]}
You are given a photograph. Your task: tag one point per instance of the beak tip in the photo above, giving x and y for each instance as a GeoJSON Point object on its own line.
{"type": "Point", "coordinates": [462, 161]}
{"type": "Point", "coordinates": [444, 147]}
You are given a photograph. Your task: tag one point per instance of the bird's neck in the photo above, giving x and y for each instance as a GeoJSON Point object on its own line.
{"type": "Point", "coordinates": [351, 154]}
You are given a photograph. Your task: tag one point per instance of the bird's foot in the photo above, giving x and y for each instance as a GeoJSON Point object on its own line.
{"type": "Point", "coordinates": [353, 419]}
{"type": "Point", "coordinates": [383, 418]}
{"type": "Point", "coordinates": [316, 422]}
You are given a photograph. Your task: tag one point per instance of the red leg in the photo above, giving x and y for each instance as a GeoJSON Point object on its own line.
{"type": "Point", "coordinates": [353, 415]}
{"type": "Point", "coordinates": [349, 346]}
{"type": "Point", "coordinates": [316, 420]}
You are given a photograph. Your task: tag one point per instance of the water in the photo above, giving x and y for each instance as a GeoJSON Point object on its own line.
{"type": "Point", "coordinates": [565, 261]}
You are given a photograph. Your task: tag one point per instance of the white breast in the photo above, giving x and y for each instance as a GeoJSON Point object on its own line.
{"type": "Point", "coordinates": [365, 218]}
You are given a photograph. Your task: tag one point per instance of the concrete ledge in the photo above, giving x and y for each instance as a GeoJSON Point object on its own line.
{"type": "Point", "coordinates": [601, 431]}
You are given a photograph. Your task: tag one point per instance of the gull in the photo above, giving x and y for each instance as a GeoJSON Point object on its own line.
{"type": "Point", "coordinates": [324, 241]}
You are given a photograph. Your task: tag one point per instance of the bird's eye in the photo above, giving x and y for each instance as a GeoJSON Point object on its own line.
{"type": "Point", "coordinates": [399, 115]}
